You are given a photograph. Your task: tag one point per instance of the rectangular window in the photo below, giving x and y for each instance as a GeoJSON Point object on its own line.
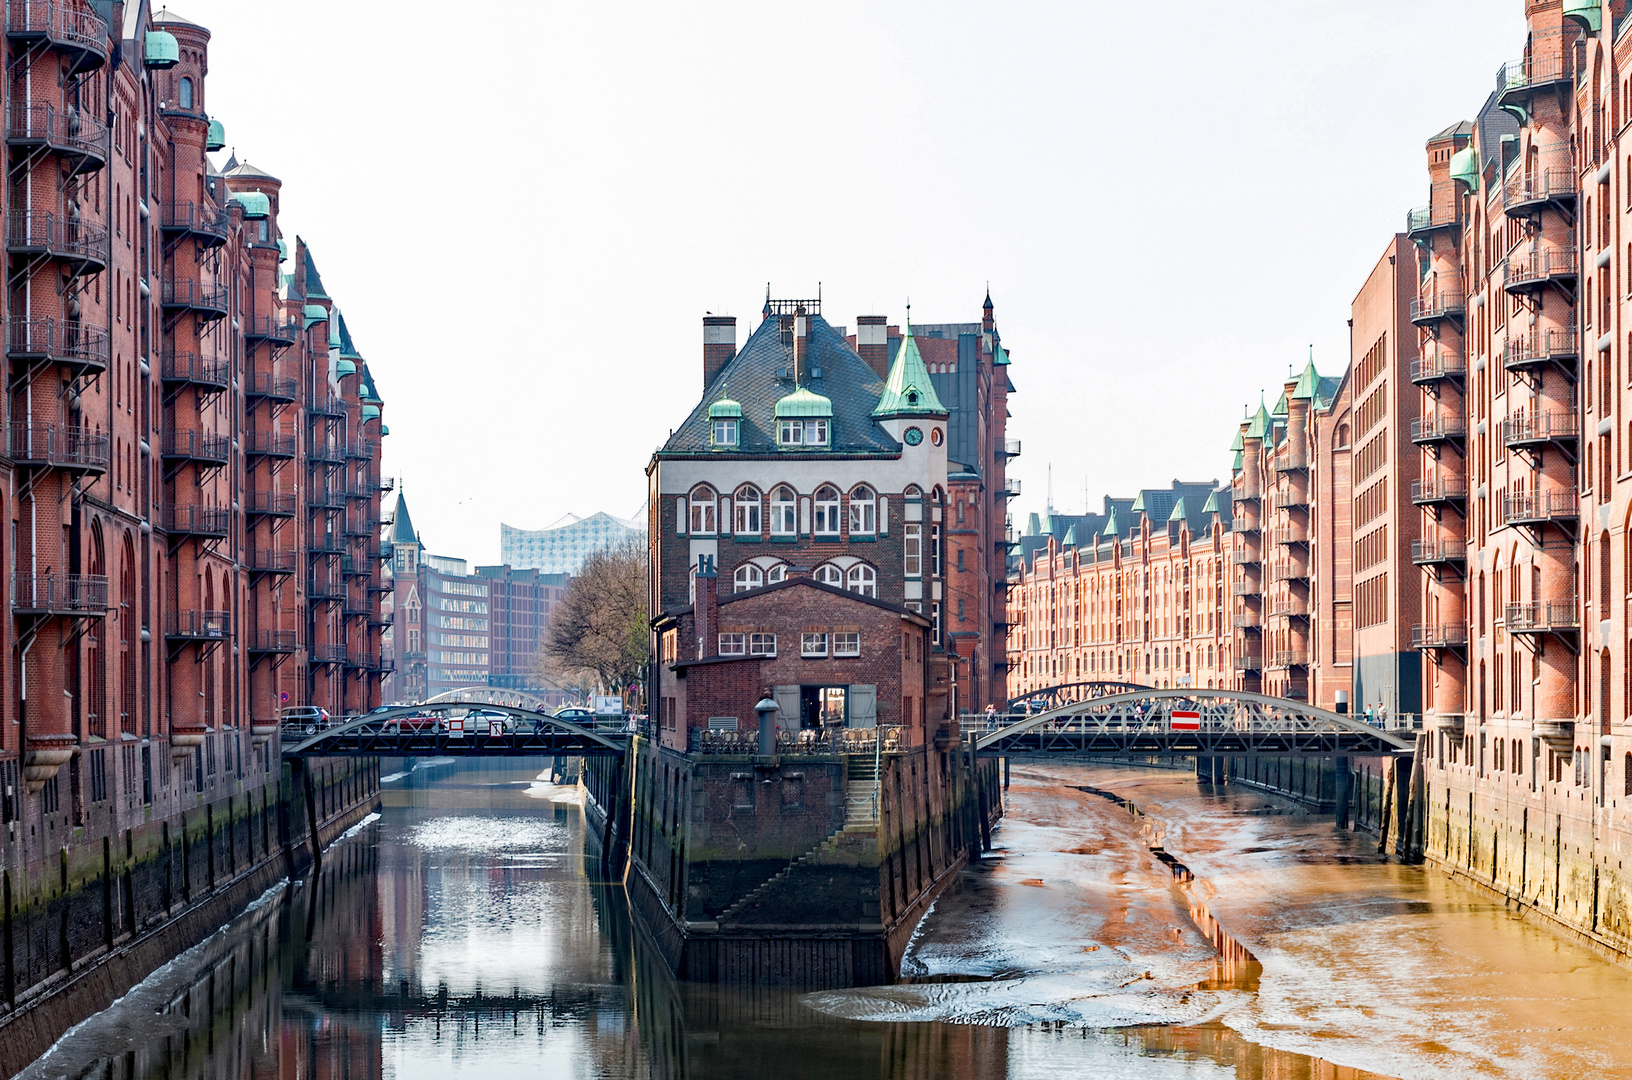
{"type": "Point", "coordinates": [912, 544]}
{"type": "Point", "coordinates": [935, 622]}
{"type": "Point", "coordinates": [732, 645]}
{"type": "Point", "coordinates": [761, 644]}
{"type": "Point", "coordinates": [846, 643]}
{"type": "Point", "coordinates": [725, 433]}
{"type": "Point", "coordinates": [801, 432]}
{"type": "Point", "coordinates": [935, 551]}
{"type": "Point", "coordinates": [813, 644]}
{"type": "Point", "coordinates": [747, 516]}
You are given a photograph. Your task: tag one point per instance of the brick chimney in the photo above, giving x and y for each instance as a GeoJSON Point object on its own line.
{"type": "Point", "coordinates": [873, 343]}
{"type": "Point", "coordinates": [719, 345]}
{"type": "Point", "coordinates": [706, 608]}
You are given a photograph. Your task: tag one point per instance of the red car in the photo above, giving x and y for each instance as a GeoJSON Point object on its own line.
{"type": "Point", "coordinates": [416, 722]}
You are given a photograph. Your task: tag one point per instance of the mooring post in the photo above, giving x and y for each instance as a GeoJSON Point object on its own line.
{"type": "Point", "coordinates": [1345, 786]}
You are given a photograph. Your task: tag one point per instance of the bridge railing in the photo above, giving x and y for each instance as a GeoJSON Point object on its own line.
{"type": "Point", "coordinates": [812, 743]}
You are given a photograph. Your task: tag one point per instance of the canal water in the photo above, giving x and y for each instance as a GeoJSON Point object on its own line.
{"type": "Point", "coordinates": [462, 934]}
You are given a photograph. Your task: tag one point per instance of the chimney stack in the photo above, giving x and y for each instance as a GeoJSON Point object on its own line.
{"type": "Point", "coordinates": [719, 345]}
{"type": "Point", "coordinates": [873, 343]}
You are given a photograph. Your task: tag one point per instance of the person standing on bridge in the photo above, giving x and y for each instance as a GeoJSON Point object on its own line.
{"type": "Point", "coordinates": [991, 717]}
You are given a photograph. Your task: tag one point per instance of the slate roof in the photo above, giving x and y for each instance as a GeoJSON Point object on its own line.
{"type": "Point", "coordinates": [751, 378]}
{"type": "Point", "coordinates": [243, 170]}
{"type": "Point", "coordinates": [314, 281]}
{"type": "Point", "coordinates": [347, 349]}
{"type": "Point", "coordinates": [402, 526]}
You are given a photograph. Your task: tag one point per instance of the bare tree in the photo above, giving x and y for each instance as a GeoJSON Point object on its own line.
{"type": "Point", "coordinates": [600, 625]}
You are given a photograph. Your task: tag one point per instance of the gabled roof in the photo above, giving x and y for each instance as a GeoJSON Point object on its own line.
{"type": "Point", "coordinates": [760, 375]}
{"type": "Point", "coordinates": [908, 391]}
{"type": "Point", "coordinates": [243, 170]}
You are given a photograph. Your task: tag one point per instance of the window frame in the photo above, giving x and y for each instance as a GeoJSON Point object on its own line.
{"type": "Point", "coordinates": [817, 575]}
{"type": "Point", "coordinates": [867, 577]}
{"type": "Point", "coordinates": [852, 641]}
{"type": "Point", "coordinates": [912, 550]}
{"type": "Point", "coordinates": [829, 512]}
{"type": "Point", "coordinates": [813, 644]}
{"type": "Point", "coordinates": [733, 644]}
{"type": "Point", "coordinates": [753, 571]}
{"type": "Point", "coordinates": [746, 510]}
{"type": "Point", "coordinates": [863, 511]}
{"type": "Point", "coordinates": [761, 644]}
{"type": "Point", "coordinates": [784, 511]}
{"type": "Point", "coordinates": [727, 425]}
{"type": "Point", "coordinates": [703, 515]}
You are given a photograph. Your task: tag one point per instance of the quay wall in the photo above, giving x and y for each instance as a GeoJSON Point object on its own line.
{"type": "Point", "coordinates": [91, 906]}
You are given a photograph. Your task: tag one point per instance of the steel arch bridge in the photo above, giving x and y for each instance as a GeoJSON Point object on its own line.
{"type": "Point", "coordinates": [1185, 722]}
{"type": "Point", "coordinates": [490, 695]}
{"type": "Point", "coordinates": [1054, 696]}
{"type": "Point", "coordinates": [420, 730]}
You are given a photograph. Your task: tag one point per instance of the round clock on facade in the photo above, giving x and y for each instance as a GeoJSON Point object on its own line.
{"type": "Point", "coordinates": [913, 436]}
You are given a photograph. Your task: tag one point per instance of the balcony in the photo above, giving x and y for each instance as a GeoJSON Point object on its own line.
{"type": "Point", "coordinates": [1559, 348]}
{"type": "Point", "coordinates": [276, 504]}
{"type": "Point", "coordinates": [1533, 271]}
{"type": "Point", "coordinates": [1290, 463]}
{"type": "Point", "coordinates": [326, 405]}
{"type": "Point", "coordinates": [1526, 194]}
{"type": "Point", "coordinates": [1439, 553]}
{"type": "Point", "coordinates": [321, 452]}
{"type": "Point", "coordinates": [1548, 65]}
{"type": "Point", "coordinates": [200, 521]}
{"type": "Point", "coordinates": [1248, 620]}
{"type": "Point", "coordinates": [1242, 557]}
{"type": "Point", "coordinates": [68, 342]}
{"type": "Point", "coordinates": [1290, 658]}
{"type": "Point", "coordinates": [361, 526]}
{"type": "Point", "coordinates": [269, 445]}
{"type": "Point", "coordinates": [324, 587]}
{"type": "Point", "coordinates": [1009, 449]}
{"type": "Point", "coordinates": [1537, 431]}
{"type": "Point", "coordinates": [59, 446]}
{"type": "Point", "coordinates": [326, 544]}
{"type": "Point", "coordinates": [1429, 636]}
{"type": "Point", "coordinates": [326, 653]}
{"type": "Point", "coordinates": [80, 246]}
{"type": "Point", "coordinates": [198, 447]}
{"type": "Point", "coordinates": [79, 138]}
{"type": "Point", "coordinates": [274, 642]}
{"type": "Point", "coordinates": [69, 28]}
{"type": "Point", "coordinates": [279, 331]}
{"type": "Point", "coordinates": [1294, 607]}
{"type": "Point", "coordinates": [59, 594]}
{"type": "Point", "coordinates": [206, 301]}
{"type": "Point", "coordinates": [1249, 662]}
{"type": "Point", "coordinates": [1288, 571]}
{"type": "Point", "coordinates": [1242, 527]}
{"type": "Point", "coordinates": [198, 625]}
{"type": "Point", "coordinates": [1246, 588]}
{"type": "Point", "coordinates": [320, 499]}
{"type": "Point", "coordinates": [1438, 305]}
{"type": "Point", "coordinates": [1441, 365]}
{"type": "Point", "coordinates": [1543, 617]}
{"type": "Point", "coordinates": [387, 485]}
{"type": "Point", "coordinates": [380, 552]}
{"type": "Point", "coordinates": [1561, 508]}
{"type": "Point", "coordinates": [384, 665]}
{"type": "Point", "coordinates": [1444, 211]}
{"type": "Point", "coordinates": [208, 374]}
{"type": "Point", "coordinates": [1288, 500]}
{"type": "Point", "coordinates": [1439, 491]}
{"type": "Point", "coordinates": [359, 450]}
{"type": "Point", "coordinates": [278, 389]}
{"type": "Point", "coordinates": [350, 567]}
{"type": "Point", "coordinates": [183, 219]}
{"type": "Point", "coordinates": [277, 561]}
{"type": "Point", "coordinates": [1010, 488]}
{"type": "Point", "coordinates": [1440, 428]}
{"type": "Point", "coordinates": [1288, 535]}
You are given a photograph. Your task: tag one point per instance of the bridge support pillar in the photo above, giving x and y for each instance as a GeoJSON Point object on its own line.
{"type": "Point", "coordinates": [1345, 794]}
{"type": "Point", "coordinates": [1005, 772]}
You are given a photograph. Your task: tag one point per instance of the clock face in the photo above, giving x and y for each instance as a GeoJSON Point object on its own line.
{"type": "Point", "coordinates": [913, 436]}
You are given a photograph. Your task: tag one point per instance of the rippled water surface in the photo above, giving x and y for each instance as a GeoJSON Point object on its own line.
{"type": "Point", "coordinates": [463, 934]}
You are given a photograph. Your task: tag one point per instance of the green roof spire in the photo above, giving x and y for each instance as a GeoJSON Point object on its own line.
{"type": "Point", "coordinates": [1111, 527]}
{"type": "Point", "coordinates": [1178, 510]}
{"type": "Point", "coordinates": [908, 391]}
{"type": "Point", "coordinates": [1259, 428]}
{"type": "Point", "coordinates": [1070, 539]}
{"type": "Point", "coordinates": [1309, 382]}
{"type": "Point", "coordinates": [1211, 506]}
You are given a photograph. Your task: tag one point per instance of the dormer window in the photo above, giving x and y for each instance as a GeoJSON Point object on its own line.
{"type": "Point", "coordinates": [801, 432]}
{"type": "Point", "coordinates": [725, 424]}
{"type": "Point", "coordinates": [725, 433]}
{"type": "Point", "coordinates": [803, 419]}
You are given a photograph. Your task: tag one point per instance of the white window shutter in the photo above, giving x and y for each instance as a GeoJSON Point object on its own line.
{"type": "Point", "coordinates": [727, 525]}
{"type": "Point", "coordinates": [883, 515]}
{"type": "Point", "coordinates": [680, 516]}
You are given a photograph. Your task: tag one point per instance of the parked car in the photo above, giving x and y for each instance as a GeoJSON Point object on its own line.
{"type": "Point", "coordinates": [415, 722]}
{"type": "Point", "coordinates": [307, 719]}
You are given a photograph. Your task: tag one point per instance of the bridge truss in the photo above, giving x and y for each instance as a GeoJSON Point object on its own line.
{"type": "Point", "coordinates": [428, 729]}
{"type": "Point", "coordinates": [1184, 722]}
{"type": "Point", "coordinates": [1054, 696]}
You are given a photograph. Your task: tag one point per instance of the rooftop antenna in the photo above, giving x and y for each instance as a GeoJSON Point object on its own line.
{"type": "Point", "coordinates": [1051, 488]}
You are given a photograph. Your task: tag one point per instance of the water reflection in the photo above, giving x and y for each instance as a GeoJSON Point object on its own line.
{"type": "Point", "coordinates": [463, 934]}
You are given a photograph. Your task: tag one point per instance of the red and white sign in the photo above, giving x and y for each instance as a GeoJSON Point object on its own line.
{"type": "Point", "coordinates": [456, 728]}
{"type": "Point", "coordinates": [1183, 720]}
{"type": "Point", "coordinates": [495, 729]}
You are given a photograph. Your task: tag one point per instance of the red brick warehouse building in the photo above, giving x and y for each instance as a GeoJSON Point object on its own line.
{"type": "Point", "coordinates": [189, 461]}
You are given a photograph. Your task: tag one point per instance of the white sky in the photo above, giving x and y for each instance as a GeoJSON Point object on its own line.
{"type": "Point", "coordinates": [524, 209]}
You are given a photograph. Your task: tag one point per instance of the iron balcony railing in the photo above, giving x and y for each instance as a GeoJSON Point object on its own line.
{"type": "Point", "coordinates": [1248, 620]}
{"type": "Point", "coordinates": [1536, 508]}
{"type": "Point", "coordinates": [326, 653]}
{"type": "Point", "coordinates": [1443, 302]}
{"type": "Point", "coordinates": [320, 499]}
{"type": "Point", "coordinates": [1011, 448]}
{"type": "Point", "coordinates": [1548, 63]}
{"type": "Point", "coordinates": [1288, 571]}
{"type": "Point", "coordinates": [270, 560]}
{"type": "Point", "coordinates": [1438, 428]}
{"type": "Point", "coordinates": [1287, 535]}
{"type": "Point", "coordinates": [189, 368]}
{"type": "Point", "coordinates": [1528, 429]}
{"type": "Point", "coordinates": [1548, 185]}
{"type": "Point", "coordinates": [269, 444]}
{"type": "Point", "coordinates": [1542, 617]}
{"type": "Point", "coordinates": [80, 243]}
{"type": "Point", "coordinates": [381, 552]}
{"type": "Point", "coordinates": [320, 451]}
{"type": "Point", "coordinates": [64, 341]}
{"type": "Point", "coordinates": [1010, 489]}
{"type": "Point", "coordinates": [1436, 552]}
{"type": "Point", "coordinates": [324, 587]}
{"type": "Point", "coordinates": [1437, 365]}
{"type": "Point", "coordinates": [1444, 210]}
{"type": "Point", "coordinates": [63, 23]}
{"type": "Point", "coordinates": [269, 503]}
{"type": "Point", "coordinates": [1439, 635]}
{"type": "Point", "coordinates": [192, 520]}
{"type": "Point", "coordinates": [188, 445]}
{"type": "Point", "coordinates": [387, 485]}
{"type": "Point", "coordinates": [326, 544]}
{"type": "Point", "coordinates": [81, 138]}
{"type": "Point", "coordinates": [1249, 662]}
{"type": "Point", "coordinates": [274, 641]}
{"type": "Point", "coordinates": [1543, 347]}
{"type": "Point", "coordinates": [1438, 489]}
{"type": "Point", "coordinates": [59, 594]}
{"type": "Point", "coordinates": [1528, 270]}
{"type": "Point", "coordinates": [359, 450]}
{"type": "Point", "coordinates": [1246, 588]}
{"type": "Point", "coordinates": [198, 625]}
{"type": "Point", "coordinates": [273, 328]}
{"type": "Point", "coordinates": [1289, 605]}
{"type": "Point", "coordinates": [326, 405]}
{"type": "Point", "coordinates": [280, 388]}
{"type": "Point", "coordinates": [59, 446]}
{"type": "Point", "coordinates": [195, 296]}
{"type": "Point", "coordinates": [1289, 658]}
{"type": "Point", "coordinates": [190, 217]}
{"type": "Point", "coordinates": [1288, 500]}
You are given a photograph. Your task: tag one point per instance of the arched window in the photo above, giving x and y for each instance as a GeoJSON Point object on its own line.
{"type": "Point", "coordinates": [862, 579]}
{"type": "Point", "coordinates": [748, 576]}
{"type": "Point", "coordinates": [863, 511]}
{"type": "Point", "coordinates": [747, 510]}
{"type": "Point", "coordinates": [827, 511]}
{"type": "Point", "coordinates": [704, 510]}
{"type": "Point", "coordinates": [828, 574]}
{"type": "Point", "coordinates": [184, 93]}
{"type": "Point", "coordinates": [779, 572]}
{"type": "Point", "coordinates": [784, 511]}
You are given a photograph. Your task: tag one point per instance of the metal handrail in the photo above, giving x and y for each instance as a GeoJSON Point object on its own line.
{"type": "Point", "coordinates": [1438, 635]}
{"type": "Point", "coordinates": [195, 445]}
{"type": "Point", "coordinates": [195, 519]}
{"type": "Point", "coordinates": [192, 217]}
{"type": "Point", "coordinates": [1541, 346]}
{"type": "Point", "coordinates": [281, 503]}
{"type": "Point", "coordinates": [1436, 551]}
{"type": "Point", "coordinates": [1542, 615]}
{"type": "Point", "coordinates": [59, 594]}
{"type": "Point", "coordinates": [198, 625]}
{"type": "Point", "coordinates": [189, 367]}
{"type": "Point", "coordinates": [195, 295]}
{"type": "Point", "coordinates": [1541, 506]}
{"type": "Point", "coordinates": [269, 444]}
{"type": "Point", "coordinates": [59, 445]}
{"type": "Point", "coordinates": [1438, 489]}
{"type": "Point", "coordinates": [1524, 268]}
{"type": "Point", "coordinates": [75, 132]}
{"type": "Point", "coordinates": [57, 235]}
{"type": "Point", "coordinates": [68, 23]}
{"type": "Point", "coordinates": [1440, 426]}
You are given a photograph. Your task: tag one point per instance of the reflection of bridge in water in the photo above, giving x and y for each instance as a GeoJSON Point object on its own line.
{"type": "Point", "coordinates": [1116, 719]}
{"type": "Point", "coordinates": [428, 730]}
